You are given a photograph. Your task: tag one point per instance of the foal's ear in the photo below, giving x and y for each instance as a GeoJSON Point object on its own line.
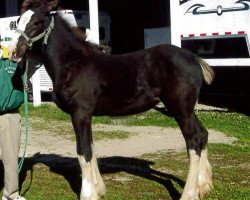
{"type": "Point", "coordinates": [52, 4]}
{"type": "Point", "coordinates": [38, 4]}
{"type": "Point", "coordinates": [30, 4]}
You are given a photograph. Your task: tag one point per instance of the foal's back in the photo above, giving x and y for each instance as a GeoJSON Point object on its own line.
{"type": "Point", "coordinates": [134, 82]}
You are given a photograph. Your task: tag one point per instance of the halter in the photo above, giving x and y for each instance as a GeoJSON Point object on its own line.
{"type": "Point", "coordinates": [44, 34]}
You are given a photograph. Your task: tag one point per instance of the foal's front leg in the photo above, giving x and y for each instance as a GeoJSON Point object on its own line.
{"type": "Point", "coordinates": [92, 183]}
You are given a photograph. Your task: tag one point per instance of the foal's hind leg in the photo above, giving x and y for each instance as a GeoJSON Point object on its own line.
{"type": "Point", "coordinates": [199, 179]}
{"type": "Point", "coordinates": [205, 184]}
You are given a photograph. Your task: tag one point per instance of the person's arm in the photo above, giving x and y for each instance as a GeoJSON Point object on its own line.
{"type": "Point", "coordinates": [17, 80]}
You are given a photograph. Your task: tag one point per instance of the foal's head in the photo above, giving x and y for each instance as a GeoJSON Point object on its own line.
{"type": "Point", "coordinates": [32, 27]}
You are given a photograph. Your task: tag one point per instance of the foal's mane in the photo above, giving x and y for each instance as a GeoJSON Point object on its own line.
{"type": "Point", "coordinates": [80, 38]}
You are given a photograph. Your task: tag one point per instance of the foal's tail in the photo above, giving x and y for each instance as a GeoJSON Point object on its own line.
{"type": "Point", "coordinates": [207, 71]}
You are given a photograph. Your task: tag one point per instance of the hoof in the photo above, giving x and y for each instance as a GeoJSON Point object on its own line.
{"type": "Point", "coordinates": [190, 197]}
{"type": "Point", "coordinates": [205, 188]}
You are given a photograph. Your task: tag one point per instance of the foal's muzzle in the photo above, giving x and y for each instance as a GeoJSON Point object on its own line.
{"type": "Point", "coordinates": [15, 55]}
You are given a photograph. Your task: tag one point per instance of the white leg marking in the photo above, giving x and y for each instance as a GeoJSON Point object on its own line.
{"type": "Point", "coordinates": [88, 191]}
{"type": "Point", "coordinates": [190, 190]}
{"type": "Point", "coordinates": [98, 181]}
{"type": "Point", "coordinates": [205, 184]}
{"type": "Point", "coordinates": [92, 183]}
{"type": "Point", "coordinates": [199, 180]}
{"type": "Point", "coordinates": [87, 188]}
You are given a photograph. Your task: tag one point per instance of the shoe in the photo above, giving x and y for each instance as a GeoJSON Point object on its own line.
{"type": "Point", "coordinates": [17, 198]}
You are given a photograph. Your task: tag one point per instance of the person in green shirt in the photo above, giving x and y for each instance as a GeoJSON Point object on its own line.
{"type": "Point", "coordinates": [10, 127]}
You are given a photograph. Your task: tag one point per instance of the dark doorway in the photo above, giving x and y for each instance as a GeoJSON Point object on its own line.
{"type": "Point", "coordinates": [129, 18]}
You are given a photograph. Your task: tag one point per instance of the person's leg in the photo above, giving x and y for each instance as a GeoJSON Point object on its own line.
{"type": "Point", "coordinates": [10, 127]}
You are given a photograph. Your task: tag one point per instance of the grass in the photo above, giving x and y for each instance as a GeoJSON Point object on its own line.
{"type": "Point", "coordinates": [100, 135]}
{"type": "Point", "coordinates": [231, 172]}
{"type": "Point", "coordinates": [152, 176]}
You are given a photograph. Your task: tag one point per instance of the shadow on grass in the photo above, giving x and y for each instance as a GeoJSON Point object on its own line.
{"type": "Point", "coordinates": [69, 168]}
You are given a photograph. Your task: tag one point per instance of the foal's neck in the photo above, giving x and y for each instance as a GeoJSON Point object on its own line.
{"type": "Point", "coordinates": [64, 39]}
{"type": "Point", "coordinates": [62, 45]}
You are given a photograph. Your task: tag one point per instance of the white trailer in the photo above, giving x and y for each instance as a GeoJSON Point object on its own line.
{"type": "Point", "coordinates": [217, 30]}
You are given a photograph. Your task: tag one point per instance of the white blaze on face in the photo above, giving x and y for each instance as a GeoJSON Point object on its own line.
{"type": "Point", "coordinates": [24, 20]}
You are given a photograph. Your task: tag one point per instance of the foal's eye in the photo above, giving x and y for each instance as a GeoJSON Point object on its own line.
{"type": "Point", "coordinates": [36, 23]}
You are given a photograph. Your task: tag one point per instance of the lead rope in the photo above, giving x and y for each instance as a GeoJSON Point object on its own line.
{"type": "Point", "coordinates": [25, 90]}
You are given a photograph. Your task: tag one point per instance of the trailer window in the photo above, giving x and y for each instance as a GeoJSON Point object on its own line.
{"type": "Point", "coordinates": [234, 47]}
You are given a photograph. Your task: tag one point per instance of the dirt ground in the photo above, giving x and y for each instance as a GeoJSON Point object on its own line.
{"type": "Point", "coordinates": [144, 140]}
